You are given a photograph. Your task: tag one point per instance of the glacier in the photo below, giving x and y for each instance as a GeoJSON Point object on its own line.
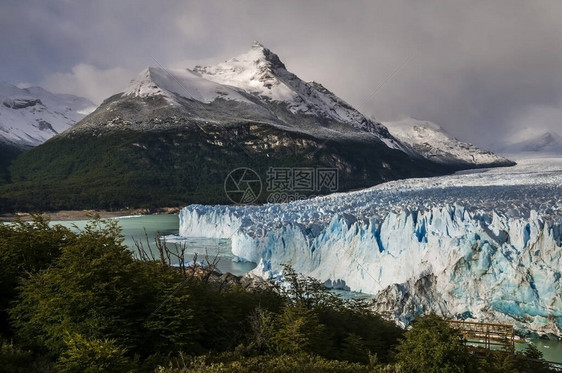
{"type": "Point", "coordinates": [483, 245]}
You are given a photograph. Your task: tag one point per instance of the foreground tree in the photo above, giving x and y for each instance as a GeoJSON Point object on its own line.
{"type": "Point", "coordinates": [314, 320]}
{"type": "Point", "coordinates": [528, 361]}
{"type": "Point", "coordinates": [96, 289]}
{"type": "Point", "coordinates": [25, 249]}
{"type": "Point", "coordinates": [533, 360]}
{"type": "Point", "coordinates": [432, 346]}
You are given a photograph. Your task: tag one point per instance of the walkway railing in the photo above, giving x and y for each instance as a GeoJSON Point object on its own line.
{"type": "Point", "coordinates": [487, 336]}
{"type": "Point", "coordinates": [484, 337]}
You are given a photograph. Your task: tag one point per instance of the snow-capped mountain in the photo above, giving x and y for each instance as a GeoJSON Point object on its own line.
{"type": "Point", "coordinates": [30, 116]}
{"type": "Point", "coordinates": [190, 128]}
{"type": "Point", "coordinates": [464, 245]}
{"type": "Point", "coordinates": [258, 84]}
{"type": "Point", "coordinates": [428, 140]}
{"type": "Point", "coordinates": [260, 72]}
{"type": "Point", "coordinates": [547, 143]}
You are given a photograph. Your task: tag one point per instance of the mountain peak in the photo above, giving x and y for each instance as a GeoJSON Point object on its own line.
{"type": "Point", "coordinates": [258, 55]}
{"type": "Point", "coordinates": [550, 137]}
{"type": "Point", "coordinates": [257, 45]}
{"type": "Point", "coordinates": [259, 64]}
{"type": "Point", "coordinates": [545, 143]}
{"type": "Point", "coordinates": [261, 74]}
{"type": "Point", "coordinates": [258, 71]}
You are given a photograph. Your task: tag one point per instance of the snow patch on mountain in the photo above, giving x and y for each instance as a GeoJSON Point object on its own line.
{"type": "Point", "coordinates": [428, 140]}
{"type": "Point", "coordinates": [469, 242]}
{"type": "Point", "coordinates": [255, 71]}
{"type": "Point", "coordinates": [30, 116]}
{"type": "Point", "coordinates": [155, 81]}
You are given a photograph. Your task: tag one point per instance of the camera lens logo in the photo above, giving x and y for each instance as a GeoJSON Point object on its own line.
{"type": "Point", "coordinates": [242, 185]}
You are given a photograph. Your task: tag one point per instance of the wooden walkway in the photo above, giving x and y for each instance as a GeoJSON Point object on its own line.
{"type": "Point", "coordinates": [487, 336]}
{"type": "Point", "coordinates": [483, 337]}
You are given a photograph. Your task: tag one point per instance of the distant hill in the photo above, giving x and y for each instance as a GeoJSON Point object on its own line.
{"type": "Point", "coordinates": [30, 116]}
{"type": "Point", "coordinates": [547, 143]}
{"type": "Point", "coordinates": [428, 140]}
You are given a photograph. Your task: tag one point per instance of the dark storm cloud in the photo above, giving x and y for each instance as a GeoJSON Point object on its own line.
{"type": "Point", "coordinates": [481, 69]}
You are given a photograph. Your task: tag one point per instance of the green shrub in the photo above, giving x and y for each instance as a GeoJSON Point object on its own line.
{"type": "Point", "coordinates": [97, 289]}
{"type": "Point", "coordinates": [432, 346]}
{"type": "Point", "coordinates": [14, 359]}
{"type": "Point", "coordinates": [291, 363]}
{"type": "Point", "coordinates": [528, 361]}
{"type": "Point", "coordinates": [83, 355]}
{"type": "Point", "coordinates": [25, 249]}
{"type": "Point", "coordinates": [347, 329]}
{"type": "Point", "coordinates": [298, 330]}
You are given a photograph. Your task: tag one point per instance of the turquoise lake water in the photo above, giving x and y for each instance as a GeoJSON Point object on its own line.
{"type": "Point", "coordinates": [138, 228]}
{"type": "Point", "coordinates": [552, 350]}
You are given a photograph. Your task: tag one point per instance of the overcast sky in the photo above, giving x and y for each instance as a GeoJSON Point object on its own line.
{"type": "Point", "coordinates": [480, 69]}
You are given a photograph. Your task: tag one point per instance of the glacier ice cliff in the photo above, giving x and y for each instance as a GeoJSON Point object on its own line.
{"type": "Point", "coordinates": [485, 246]}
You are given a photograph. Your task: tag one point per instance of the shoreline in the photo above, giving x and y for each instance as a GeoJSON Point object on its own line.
{"type": "Point", "coordinates": [66, 215]}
